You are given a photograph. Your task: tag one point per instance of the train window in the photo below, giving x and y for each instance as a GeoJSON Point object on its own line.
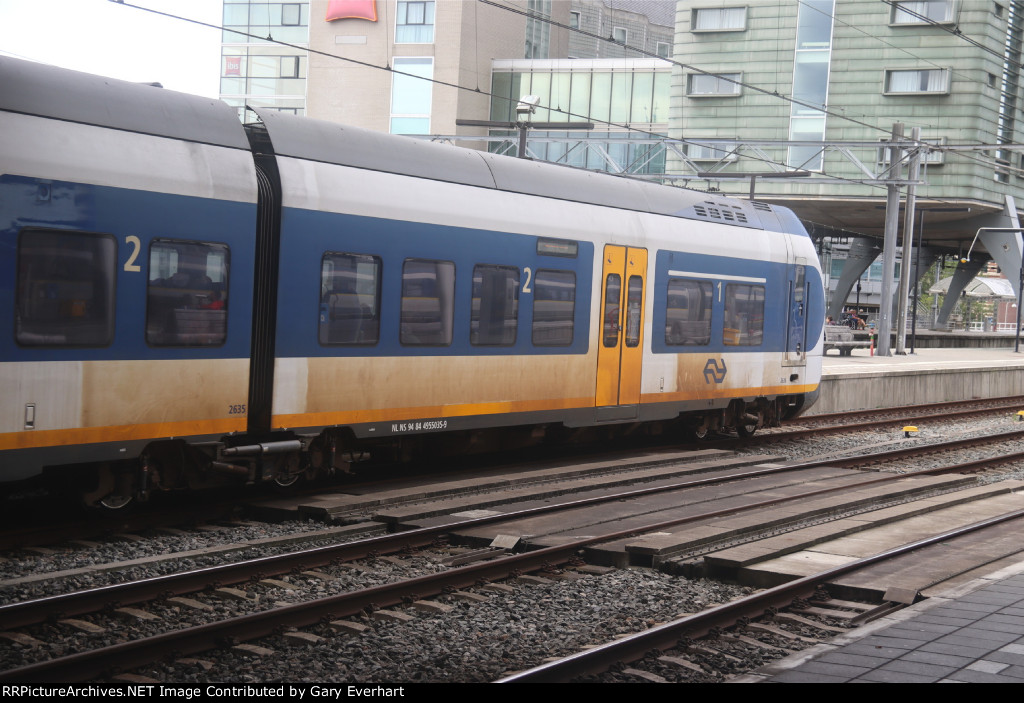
{"type": "Point", "coordinates": [65, 293]}
{"type": "Point", "coordinates": [610, 316]}
{"type": "Point", "coordinates": [187, 295]}
{"type": "Point", "coordinates": [798, 285]}
{"type": "Point", "coordinates": [688, 312]}
{"type": "Point", "coordinates": [428, 294]}
{"type": "Point", "coordinates": [554, 308]}
{"type": "Point", "coordinates": [744, 315]}
{"type": "Point", "coordinates": [349, 299]}
{"type": "Point", "coordinates": [634, 301]}
{"type": "Point", "coordinates": [494, 317]}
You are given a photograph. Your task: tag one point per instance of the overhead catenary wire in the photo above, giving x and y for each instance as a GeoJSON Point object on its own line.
{"type": "Point", "coordinates": [617, 125]}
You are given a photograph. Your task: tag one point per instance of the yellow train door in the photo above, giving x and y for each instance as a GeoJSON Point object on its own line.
{"type": "Point", "coordinates": [620, 350]}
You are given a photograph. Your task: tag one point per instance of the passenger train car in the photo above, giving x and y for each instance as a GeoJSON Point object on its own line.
{"type": "Point", "coordinates": [187, 300]}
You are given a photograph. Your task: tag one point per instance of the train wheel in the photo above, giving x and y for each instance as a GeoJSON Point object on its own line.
{"type": "Point", "coordinates": [286, 480]}
{"type": "Point", "coordinates": [114, 501]}
{"type": "Point", "coordinates": [697, 433]}
{"type": "Point", "coordinates": [287, 471]}
{"type": "Point", "coordinates": [746, 430]}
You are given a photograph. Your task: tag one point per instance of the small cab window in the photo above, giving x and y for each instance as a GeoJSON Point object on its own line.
{"type": "Point", "coordinates": [349, 299]}
{"type": "Point", "coordinates": [554, 308]}
{"type": "Point", "coordinates": [744, 315]}
{"type": "Point", "coordinates": [494, 316]}
{"type": "Point", "coordinates": [187, 295]}
{"type": "Point", "coordinates": [688, 312]}
{"type": "Point", "coordinates": [65, 290]}
{"type": "Point", "coordinates": [428, 295]}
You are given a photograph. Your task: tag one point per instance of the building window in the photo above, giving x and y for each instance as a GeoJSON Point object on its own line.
{"type": "Point", "coordinates": [998, 10]}
{"type": "Point", "coordinates": [538, 29]}
{"type": "Point", "coordinates": [619, 35]}
{"type": "Point", "coordinates": [411, 95]}
{"type": "Point", "coordinates": [289, 67]}
{"type": "Point", "coordinates": [574, 20]}
{"type": "Point", "coordinates": [710, 151]}
{"type": "Point", "coordinates": [933, 80]}
{"type": "Point", "coordinates": [703, 84]}
{"type": "Point", "coordinates": [415, 23]}
{"type": "Point", "coordinates": [65, 293]}
{"type": "Point", "coordinates": [291, 15]}
{"type": "Point", "coordinates": [428, 302]}
{"type": "Point", "coordinates": [187, 294]}
{"type": "Point", "coordinates": [349, 299]}
{"type": "Point", "coordinates": [663, 49]}
{"type": "Point", "coordinates": [719, 19]}
{"type": "Point", "coordinates": [554, 308]}
{"type": "Point", "coordinates": [688, 312]}
{"type": "Point", "coordinates": [922, 12]}
{"type": "Point", "coordinates": [494, 314]}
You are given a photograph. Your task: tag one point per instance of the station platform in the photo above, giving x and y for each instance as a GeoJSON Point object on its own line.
{"type": "Point", "coordinates": [863, 381]}
{"type": "Point", "coordinates": [973, 634]}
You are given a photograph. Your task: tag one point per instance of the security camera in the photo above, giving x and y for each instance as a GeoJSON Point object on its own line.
{"type": "Point", "coordinates": [527, 105]}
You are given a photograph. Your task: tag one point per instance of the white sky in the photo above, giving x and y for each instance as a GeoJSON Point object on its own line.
{"type": "Point", "coordinates": [118, 41]}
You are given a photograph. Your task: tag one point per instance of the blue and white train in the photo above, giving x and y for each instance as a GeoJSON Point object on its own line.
{"type": "Point", "coordinates": [187, 300]}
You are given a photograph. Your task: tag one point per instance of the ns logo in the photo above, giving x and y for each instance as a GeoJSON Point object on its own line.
{"type": "Point", "coordinates": [713, 372]}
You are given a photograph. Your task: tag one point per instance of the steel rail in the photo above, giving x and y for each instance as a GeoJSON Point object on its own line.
{"type": "Point", "coordinates": [256, 625]}
{"type": "Point", "coordinates": [26, 613]}
{"type": "Point", "coordinates": [669, 635]}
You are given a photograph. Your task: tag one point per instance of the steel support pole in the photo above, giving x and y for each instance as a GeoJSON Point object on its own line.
{"type": "Point", "coordinates": [892, 218]}
{"type": "Point", "coordinates": [908, 244]}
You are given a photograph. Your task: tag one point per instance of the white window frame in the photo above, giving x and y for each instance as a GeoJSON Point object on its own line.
{"type": "Point", "coordinates": [907, 19]}
{"type": "Point", "coordinates": [429, 6]}
{"type": "Point", "coordinates": [620, 30]}
{"type": "Point", "coordinates": [397, 63]}
{"type": "Point", "coordinates": [668, 51]}
{"type": "Point", "coordinates": [695, 19]}
{"type": "Point", "coordinates": [574, 20]}
{"type": "Point", "coordinates": [889, 73]}
{"type": "Point", "coordinates": [734, 89]}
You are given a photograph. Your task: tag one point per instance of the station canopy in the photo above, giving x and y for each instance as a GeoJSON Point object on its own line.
{"type": "Point", "coordinates": [980, 287]}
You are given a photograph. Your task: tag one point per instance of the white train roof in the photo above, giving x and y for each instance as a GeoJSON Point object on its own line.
{"type": "Point", "coordinates": [329, 142]}
{"type": "Point", "coordinates": [47, 91]}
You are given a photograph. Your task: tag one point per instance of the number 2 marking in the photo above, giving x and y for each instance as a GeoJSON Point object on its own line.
{"type": "Point", "coordinates": [136, 246]}
{"type": "Point", "coordinates": [529, 275]}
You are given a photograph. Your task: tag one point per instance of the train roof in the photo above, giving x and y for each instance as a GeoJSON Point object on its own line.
{"type": "Point", "coordinates": [47, 91]}
{"type": "Point", "coordinates": [330, 142]}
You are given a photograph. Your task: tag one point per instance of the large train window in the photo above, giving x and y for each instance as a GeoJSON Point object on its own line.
{"type": "Point", "coordinates": [610, 316]}
{"type": "Point", "coordinates": [349, 299]}
{"type": "Point", "coordinates": [65, 293]}
{"type": "Point", "coordinates": [634, 301]}
{"type": "Point", "coordinates": [744, 315]}
{"type": "Point", "coordinates": [494, 317]}
{"type": "Point", "coordinates": [187, 295]}
{"type": "Point", "coordinates": [688, 312]}
{"type": "Point", "coordinates": [554, 308]}
{"type": "Point", "coordinates": [428, 296]}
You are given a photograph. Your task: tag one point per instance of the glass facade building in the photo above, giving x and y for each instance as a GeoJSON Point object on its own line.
{"type": "Point", "coordinates": [626, 99]}
{"type": "Point", "coordinates": [258, 72]}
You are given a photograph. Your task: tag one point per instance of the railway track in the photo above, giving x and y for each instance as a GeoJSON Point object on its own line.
{"type": "Point", "coordinates": [669, 635]}
{"type": "Point", "coordinates": [266, 621]}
